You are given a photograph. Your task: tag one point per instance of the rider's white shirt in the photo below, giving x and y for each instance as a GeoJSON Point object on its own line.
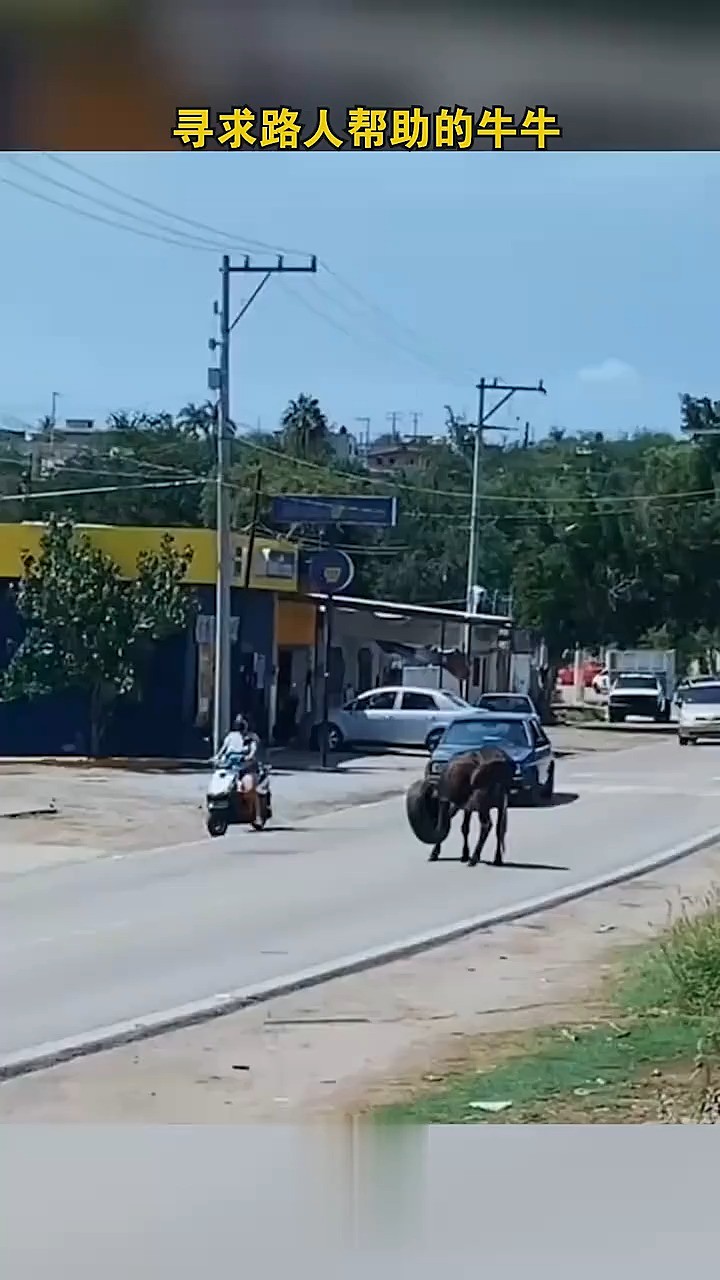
{"type": "Point", "coordinates": [236, 744]}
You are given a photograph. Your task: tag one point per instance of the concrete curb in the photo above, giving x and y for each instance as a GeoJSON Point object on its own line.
{"type": "Point", "coordinates": [46, 811]}
{"type": "Point", "coordinates": [132, 764]}
{"type": "Point", "coordinates": [51, 1054]}
{"type": "Point", "coordinates": [140, 765]}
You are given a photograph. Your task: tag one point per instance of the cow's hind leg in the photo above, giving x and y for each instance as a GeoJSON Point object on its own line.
{"type": "Point", "coordinates": [445, 807]}
{"type": "Point", "coordinates": [467, 818]}
{"type": "Point", "coordinates": [501, 829]}
{"type": "Point", "coordinates": [485, 829]}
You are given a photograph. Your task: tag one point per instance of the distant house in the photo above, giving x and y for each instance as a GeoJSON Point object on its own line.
{"type": "Point", "coordinates": [50, 447]}
{"type": "Point", "coordinates": [398, 454]}
{"type": "Point", "coordinates": [344, 446]}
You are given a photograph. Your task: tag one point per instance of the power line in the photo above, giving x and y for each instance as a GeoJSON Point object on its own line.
{"type": "Point", "coordinates": [330, 471]}
{"type": "Point", "coordinates": [108, 204]}
{"type": "Point", "coordinates": [414, 348]}
{"type": "Point", "coordinates": [622, 504]}
{"type": "Point", "coordinates": [376, 308]}
{"type": "Point", "coordinates": [245, 241]}
{"type": "Point", "coordinates": [96, 217]}
{"type": "Point", "coordinates": [111, 488]}
{"type": "Point", "coordinates": [381, 312]}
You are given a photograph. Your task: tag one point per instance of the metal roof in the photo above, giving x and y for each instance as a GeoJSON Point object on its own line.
{"type": "Point", "coordinates": [411, 610]}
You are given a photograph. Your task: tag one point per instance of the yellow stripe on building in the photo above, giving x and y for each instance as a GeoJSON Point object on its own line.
{"type": "Point", "coordinates": [274, 568]}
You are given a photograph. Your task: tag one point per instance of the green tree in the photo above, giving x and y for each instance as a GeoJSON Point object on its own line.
{"type": "Point", "coordinates": [305, 428]}
{"type": "Point", "coordinates": [197, 420]}
{"type": "Point", "coordinates": [88, 628]}
{"type": "Point", "coordinates": [146, 469]}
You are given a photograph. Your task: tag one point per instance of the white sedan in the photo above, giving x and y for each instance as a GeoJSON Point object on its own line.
{"type": "Point", "coordinates": [699, 712]}
{"type": "Point", "coordinates": [393, 716]}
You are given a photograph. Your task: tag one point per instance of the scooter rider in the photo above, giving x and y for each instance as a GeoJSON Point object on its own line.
{"type": "Point", "coordinates": [241, 741]}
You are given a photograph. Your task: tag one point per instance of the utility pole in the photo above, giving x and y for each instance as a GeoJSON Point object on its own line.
{"type": "Point", "coordinates": [366, 423]}
{"type": "Point", "coordinates": [53, 419]}
{"type": "Point", "coordinates": [219, 380]}
{"type": "Point", "coordinates": [415, 419]}
{"type": "Point", "coordinates": [393, 418]}
{"type": "Point", "coordinates": [507, 391]}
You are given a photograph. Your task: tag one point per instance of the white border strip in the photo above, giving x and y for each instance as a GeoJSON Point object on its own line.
{"type": "Point", "coordinates": [53, 1053]}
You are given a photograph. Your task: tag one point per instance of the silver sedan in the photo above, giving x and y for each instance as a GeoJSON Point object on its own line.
{"type": "Point", "coordinates": [392, 716]}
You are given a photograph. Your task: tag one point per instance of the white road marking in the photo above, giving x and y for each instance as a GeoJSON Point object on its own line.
{"type": "Point", "coordinates": [638, 789]}
{"type": "Point", "coordinates": [111, 927]}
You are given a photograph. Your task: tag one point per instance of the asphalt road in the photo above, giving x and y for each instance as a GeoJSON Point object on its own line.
{"type": "Point", "coordinates": [87, 944]}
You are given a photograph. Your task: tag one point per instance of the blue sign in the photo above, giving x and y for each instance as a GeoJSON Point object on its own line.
{"type": "Point", "coordinates": [377, 513]}
{"type": "Point", "coordinates": [330, 571]}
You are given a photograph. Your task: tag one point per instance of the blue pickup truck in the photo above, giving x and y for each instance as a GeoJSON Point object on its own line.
{"type": "Point", "coordinates": [521, 736]}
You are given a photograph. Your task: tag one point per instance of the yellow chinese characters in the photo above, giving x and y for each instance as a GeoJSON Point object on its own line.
{"type": "Point", "coordinates": [365, 128]}
{"type": "Point", "coordinates": [538, 123]}
{"type": "Point", "coordinates": [193, 127]}
{"type": "Point", "coordinates": [237, 128]}
{"type": "Point", "coordinates": [324, 129]}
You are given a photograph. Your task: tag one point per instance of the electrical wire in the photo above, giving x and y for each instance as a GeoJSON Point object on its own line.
{"type": "Point", "coordinates": [247, 242]}
{"type": "Point", "coordinates": [394, 484]}
{"type": "Point", "coordinates": [371, 343]}
{"type": "Point", "coordinates": [383, 313]}
{"type": "Point", "coordinates": [192, 241]}
{"type": "Point", "coordinates": [96, 217]}
{"type": "Point", "coordinates": [41, 494]}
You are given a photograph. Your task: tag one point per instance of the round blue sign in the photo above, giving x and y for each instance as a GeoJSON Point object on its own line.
{"type": "Point", "coordinates": [330, 571]}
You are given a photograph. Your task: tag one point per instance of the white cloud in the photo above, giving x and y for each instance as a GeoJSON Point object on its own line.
{"type": "Point", "coordinates": [610, 370]}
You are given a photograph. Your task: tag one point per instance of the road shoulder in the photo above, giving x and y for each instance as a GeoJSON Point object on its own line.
{"type": "Point", "coordinates": [376, 1037]}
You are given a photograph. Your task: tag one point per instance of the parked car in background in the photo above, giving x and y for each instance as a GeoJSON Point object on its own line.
{"type": "Point", "coordinates": [591, 668]}
{"type": "Point", "coordinates": [520, 703]}
{"type": "Point", "coordinates": [521, 736]}
{"type": "Point", "coordinates": [698, 712]}
{"type": "Point", "coordinates": [638, 693]}
{"type": "Point", "coordinates": [392, 716]}
{"type": "Point", "coordinates": [601, 683]}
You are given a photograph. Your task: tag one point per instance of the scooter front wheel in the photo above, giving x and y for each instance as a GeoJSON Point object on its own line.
{"type": "Point", "coordinates": [217, 825]}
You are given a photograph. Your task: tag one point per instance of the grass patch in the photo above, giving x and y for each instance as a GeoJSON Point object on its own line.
{"type": "Point", "coordinates": [666, 1028]}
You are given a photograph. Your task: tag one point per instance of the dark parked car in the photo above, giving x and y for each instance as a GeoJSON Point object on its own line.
{"type": "Point", "coordinates": [521, 736]}
{"type": "Point", "coordinates": [518, 703]}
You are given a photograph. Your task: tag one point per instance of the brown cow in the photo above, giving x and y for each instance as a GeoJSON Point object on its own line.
{"type": "Point", "coordinates": [478, 782]}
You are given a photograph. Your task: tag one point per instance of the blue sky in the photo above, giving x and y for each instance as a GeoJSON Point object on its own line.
{"type": "Point", "coordinates": [595, 272]}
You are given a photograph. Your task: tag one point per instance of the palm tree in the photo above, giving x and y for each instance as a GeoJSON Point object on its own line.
{"type": "Point", "coordinates": [197, 420]}
{"type": "Point", "coordinates": [305, 428]}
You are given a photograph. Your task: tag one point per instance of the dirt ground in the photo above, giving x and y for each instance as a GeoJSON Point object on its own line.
{"type": "Point", "coordinates": [376, 1037]}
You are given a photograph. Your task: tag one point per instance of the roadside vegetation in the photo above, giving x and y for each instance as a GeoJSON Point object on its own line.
{"type": "Point", "coordinates": [649, 1051]}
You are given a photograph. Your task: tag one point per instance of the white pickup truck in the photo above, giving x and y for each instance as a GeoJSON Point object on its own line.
{"type": "Point", "coordinates": [642, 683]}
{"type": "Point", "coordinates": [638, 693]}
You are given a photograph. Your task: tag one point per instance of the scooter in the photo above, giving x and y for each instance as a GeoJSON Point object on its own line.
{"type": "Point", "coordinates": [230, 798]}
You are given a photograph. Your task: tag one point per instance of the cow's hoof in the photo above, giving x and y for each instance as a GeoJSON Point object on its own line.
{"type": "Point", "coordinates": [497, 862]}
{"type": "Point", "coordinates": [433, 856]}
{"type": "Point", "coordinates": [473, 862]}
